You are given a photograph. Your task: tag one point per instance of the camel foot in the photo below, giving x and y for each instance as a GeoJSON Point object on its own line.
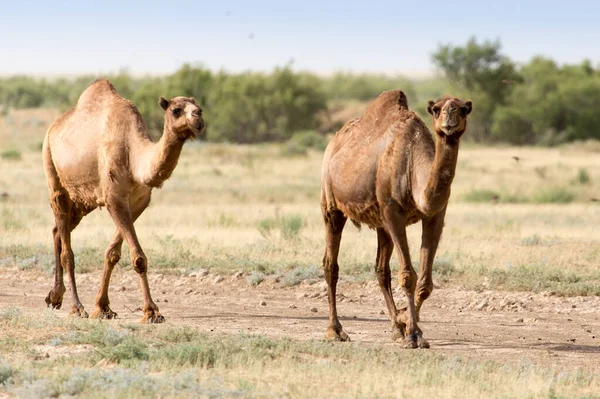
{"type": "Point", "coordinates": [398, 332]}
{"type": "Point", "coordinates": [79, 311]}
{"type": "Point", "coordinates": [415, 340]}
{"type": "Point", "coordinates": [336, 334]}
{"type": "Point", "coordinates": [54, 298]}
{"type": "Point", "coordinates": [152, 316]}
{"type": "Point", "coordinates": [103, 314]}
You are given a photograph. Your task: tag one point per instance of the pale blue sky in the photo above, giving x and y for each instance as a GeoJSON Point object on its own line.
{"type": "Point", "coordinates": [73, 37]}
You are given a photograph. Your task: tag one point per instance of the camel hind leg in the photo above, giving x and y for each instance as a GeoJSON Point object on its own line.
{"type": "Point", "coordinates": [55, 296]}
{"type": "Point", "coordinates": [67, 217]}
{"type": "Point", "coordinates": [334, 225]}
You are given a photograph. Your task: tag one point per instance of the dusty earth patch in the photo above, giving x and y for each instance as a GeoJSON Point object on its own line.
{"type": "Point", "coordinates": [488, 325]}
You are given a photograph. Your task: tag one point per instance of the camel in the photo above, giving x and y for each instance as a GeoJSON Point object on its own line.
{"type": "Point", "coordinates": [100, 154]}
{"type": "Point", "coordinates": [385, 170]}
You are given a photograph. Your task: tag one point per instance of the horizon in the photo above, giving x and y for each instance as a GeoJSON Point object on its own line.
{"type": "Point", "coordinates": [70, 39]}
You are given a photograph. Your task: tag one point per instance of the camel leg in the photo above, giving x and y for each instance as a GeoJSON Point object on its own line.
{"type": "Point", "coordinates": [55, 296]}
{"type": "Point", "coordinates": [385, 248]}
{"type": "Point", "coordinates": [395, 224]}
{"type": "Point", "coordinates": [67, 218]}
{"type": "Point", "coordinates": [111, 258]}
{"type": "Point", "coordinates": [430, 238]}
{"type": "Point", "coordinates": [122, 216]}
{"type": "Point", "coordinates": [334, 225]}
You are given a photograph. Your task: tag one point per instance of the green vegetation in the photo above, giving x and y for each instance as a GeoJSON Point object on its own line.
{"type": "Point", "coordinates": [536, 103]}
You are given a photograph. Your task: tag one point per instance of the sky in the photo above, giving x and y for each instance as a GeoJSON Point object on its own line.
{"type": "Point", "coordinates": [49, 38]}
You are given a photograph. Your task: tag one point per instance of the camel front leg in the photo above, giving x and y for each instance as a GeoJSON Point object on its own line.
{"type": "Point", "coordinates": [385, 249]}
{"type": "Point", "coordinates": [395, 224]}
{"type": "Point", "coordinates": [111, 258]}
{"type": "Point", "coordinates": [122, 217]}
{"type": "Point", "coordinates": [430, 238]}
{"type": "Point", "coordinates": [334, 225]}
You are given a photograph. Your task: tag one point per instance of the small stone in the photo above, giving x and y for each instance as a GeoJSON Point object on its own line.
{"type": "Point", "coordinates": [165, 300]}
{"type": "Point", "coordinates": [121, 289]}
{"type": "Point", "coordinates": [189, 291]}
{"type": "Point", "coordinates": [217, 280]}
{"type": "Point", "coordinates": [202, 273]}
{"type": "Point", "coordinates": [301, 295]}
{"type": "Point", "coordinates": [292, 306]}
{"type": "Point", "coordinates": [519, 320]}
{"type": "Point", "coordinates": [573, 306]}
{"type": "Point", "coordinates": [314, 310]}
{"type": "Point", "coordinates": [238, 274]}
{"type": "Point", "coordinates": [263, 303]}
{"type": "Point", "coordinates": [381, 312]}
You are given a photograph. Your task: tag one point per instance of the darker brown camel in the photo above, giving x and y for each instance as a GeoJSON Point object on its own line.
{"type": "Point", "coordinates": [100, 154]}
{"type": "Point", "coordinates": [385, 170]}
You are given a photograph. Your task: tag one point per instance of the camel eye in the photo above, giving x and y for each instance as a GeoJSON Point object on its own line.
{"type": "Point", "coordinates": [176, 112]}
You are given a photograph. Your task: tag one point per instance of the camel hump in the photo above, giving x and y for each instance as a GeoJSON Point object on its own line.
{"type": "Point", "coordinates": [389, 99]}
{"type": "Point", "coordinates": [99, 92]}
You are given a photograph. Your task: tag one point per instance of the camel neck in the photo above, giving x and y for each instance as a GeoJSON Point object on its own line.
{"type": "Point", "coordinates": [161, 159]}
{"type": "Point", "coordinates": [441, 174]}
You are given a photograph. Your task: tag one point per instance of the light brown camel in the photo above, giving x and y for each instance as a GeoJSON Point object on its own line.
{"type": "Point", "coordinates": [100, 154]}
{"type": "Point", "coordinates": [385, 170]}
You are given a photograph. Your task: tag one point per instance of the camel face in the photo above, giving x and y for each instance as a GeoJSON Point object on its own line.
{"type": "Point", "coordinates": [450, 115]}
{"type": "Point", "coordinates": [183, 116]}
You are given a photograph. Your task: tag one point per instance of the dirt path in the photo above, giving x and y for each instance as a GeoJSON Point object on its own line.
{"type": "Point", "coordinates": [493, 325]}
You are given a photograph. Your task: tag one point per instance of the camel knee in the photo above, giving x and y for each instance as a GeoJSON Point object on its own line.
{"type": "Point", "coordinates": [140, 263]}
{"type": "Point", "coordinates": [112, 256]}
{"type": "Point", "coordinates": [408, 281]}
{"type": "Point", "coordinates": [423, 291]}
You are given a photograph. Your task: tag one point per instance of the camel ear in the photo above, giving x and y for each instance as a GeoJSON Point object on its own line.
{"type": "Point", "coordinates": [193, 100]}
{"type": "Point", "coordinates": [430, 107]}
{"type": "Point", "coordinates": [466, 110]}
{"type": "Point", "coordinates": [164, 103]}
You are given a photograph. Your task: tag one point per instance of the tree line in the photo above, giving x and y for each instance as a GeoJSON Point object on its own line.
{"type": "Point", "coordinates": [536, 103]}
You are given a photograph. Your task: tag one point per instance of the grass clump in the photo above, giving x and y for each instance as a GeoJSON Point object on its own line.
{"type": "Point", "coordinates": [11, 155]}
{"type": "Point", "coordinates": [301, 273]}
{"type": "Point", "coordinates": [288, 226]}
{"type": "Point", "coordinates": [583, 177]}
{"type": "Point", "coordinates": [255, 278]}
{"type": "Point", "coordinates": [554, 195]}
{"type": "Point", "coordinates": [480, 196]}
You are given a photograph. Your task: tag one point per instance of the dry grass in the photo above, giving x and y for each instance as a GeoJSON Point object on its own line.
{"type": "Point", "coordinates": [60, 357]}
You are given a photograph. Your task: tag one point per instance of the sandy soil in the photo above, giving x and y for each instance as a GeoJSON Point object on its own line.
{"type": "Point", "coordinates": [491, 325]}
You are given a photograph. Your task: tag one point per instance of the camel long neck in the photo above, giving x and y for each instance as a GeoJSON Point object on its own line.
{"type": "Point", "coordinates": [437, 189]}
{"type": "Point", "coordinates": [160, 159]}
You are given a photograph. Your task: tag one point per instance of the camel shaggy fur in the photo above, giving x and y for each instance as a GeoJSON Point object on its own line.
{"type": "Point", "coordinates": [385, 170]}
{"type": "Point", "coordinates": [100, 154]}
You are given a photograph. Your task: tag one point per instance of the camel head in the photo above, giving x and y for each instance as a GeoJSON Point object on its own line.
{"type": "Point", "coordinates": [183, 117]}
{"type": "Point", "coordinates": [450, 116]}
